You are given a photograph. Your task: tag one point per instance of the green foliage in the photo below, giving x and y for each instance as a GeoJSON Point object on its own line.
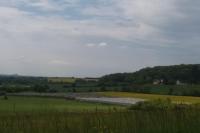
{"type": "Point", "coordinates": [103, 88]}
{"type": "Point", "coordinates": [189, 74]}
{"type": "Point", "coordinates": [14, 84]}
{"type": "Point", "coordinates": [25, 80]}
{"type": "Point", "coordinates": [41, 87]}
{"type": "Point", "coordinates": [48, 115]}
{"type": "Point", "coordinates": [15, 88]}
{"type": "Point", "coordinates": [140, 82]}
{"type": "Point", "coordinates": [161, 104]}
{"type": "Point", "coordinates": [111, 121]}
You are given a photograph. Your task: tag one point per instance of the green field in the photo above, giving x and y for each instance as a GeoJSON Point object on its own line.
{"type": "Point", "coordinates": [50, 115]}
{"type": "Point", "coordinates": [177, 99]}
{"type": "Point", "coordinates": [48, 104]}
{"type": "Point", "coordinates": [102, 122]}
{"type": "Point", "coordinates": [61, 80]}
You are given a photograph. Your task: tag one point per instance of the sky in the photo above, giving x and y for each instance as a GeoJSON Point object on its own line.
{"type": "Point", "coordinates": [91, 38]}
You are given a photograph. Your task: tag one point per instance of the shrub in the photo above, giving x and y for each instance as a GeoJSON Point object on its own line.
{"type": "Point", "coordinates": [152, 105]}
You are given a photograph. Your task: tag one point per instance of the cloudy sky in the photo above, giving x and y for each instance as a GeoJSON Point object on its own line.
{"type": "Point", "coordinates": [96, 37]}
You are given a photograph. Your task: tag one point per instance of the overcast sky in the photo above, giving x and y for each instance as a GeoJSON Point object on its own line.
{"type": "Point", "coordinates": [96, 37]}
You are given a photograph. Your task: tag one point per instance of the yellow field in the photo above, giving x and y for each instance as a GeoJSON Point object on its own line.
{"type": "Point", "coordinates": [177, 99]}
{"type": "Point", "coordinates": [61, 80]}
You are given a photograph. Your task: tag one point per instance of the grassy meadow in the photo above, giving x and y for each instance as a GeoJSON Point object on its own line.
{"type": "Point", "coordinates": [26, 104]}
{"type": "Point", "coordinates": [113, 121]}
{"type": "Point", "coordinates": [51, 115]}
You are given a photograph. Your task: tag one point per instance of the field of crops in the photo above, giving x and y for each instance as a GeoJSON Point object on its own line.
{"type": "Point", "coordinates": [178, 99]}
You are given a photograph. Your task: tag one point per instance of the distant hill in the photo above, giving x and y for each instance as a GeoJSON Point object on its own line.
{"type": "Point", "coordinates": [18, 79]}
{"type": "Point", "coordinates": [187, 74]}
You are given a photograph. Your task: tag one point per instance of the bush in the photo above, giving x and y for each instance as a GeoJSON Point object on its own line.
{"type": "Point", "coordinates": [103, 88]}
{"type": "Point", "coordinates": [52, 90]}
{"type": "Point", "coordinates": [152, 105]}
{"type": "Point", "coordinates": [41, 87]}
{"type": "Point", "coordinates": [165, 104]}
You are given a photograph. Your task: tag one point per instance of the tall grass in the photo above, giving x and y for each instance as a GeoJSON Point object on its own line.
{"type": "Point", "coordinates": [159, 116]}
{"type": "Point", "coordinates": [111, 121]}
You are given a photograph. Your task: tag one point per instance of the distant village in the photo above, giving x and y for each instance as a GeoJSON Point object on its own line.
{"type": "Point", "coordinates": [161, 82]}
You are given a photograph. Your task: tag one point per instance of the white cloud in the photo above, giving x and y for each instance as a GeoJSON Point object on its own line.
{"type": "Point", "coordinates": [90, 45]}
{"type": "Point", "coordinates": [42, 30]}
{"type": "Point", "coordinates": [59, 62]}
{"type": "Point", "coordinates": [102, 44]}
{"type": "Point", "coordinates": [51, 5]}
{"type": "Point", "coordinates": [100, 11]}
{"type": "Point", "coordinates": [21, 23]}
{"type": "Point", "coordinates": [146, 9]}
{"type": "Point", "coordinates": [135, 30]}
{"type": "Point", "coordinates": [10, 13]}
{"type": "Point", "coordinates": [43, 5]}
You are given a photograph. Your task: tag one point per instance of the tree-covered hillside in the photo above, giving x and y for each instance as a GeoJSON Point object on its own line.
{"type": "Point", "coordinates": [187, 74]}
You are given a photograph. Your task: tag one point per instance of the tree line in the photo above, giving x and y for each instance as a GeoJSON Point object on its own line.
{"type": "Point", "coordinates": [169, 75]}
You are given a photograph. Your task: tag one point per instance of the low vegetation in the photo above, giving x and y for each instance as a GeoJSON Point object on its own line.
{"type": "Point", "coordinates": [163, 104]}
{"type": "Point", "coordinates": [140, 118]}
{"type": "Point", "coordinates": [26, 104]}
{"type": "Point", "coordinates": [176, 99]}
